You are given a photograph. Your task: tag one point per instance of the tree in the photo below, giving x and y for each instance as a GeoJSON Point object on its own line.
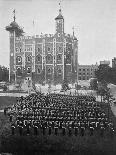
{"type": "Point", "coordinates": [113, 75]}
{"type": "Point", "coordinates": [65, 85]}
{"type": "Point", "coordinates": [93, 84]}
{"type": "Point", "coordinates": [4, 73]}
{"type": "Point", "coordinates": [104, 73]}
{"type": "Point", "coordinates": [108, 98]}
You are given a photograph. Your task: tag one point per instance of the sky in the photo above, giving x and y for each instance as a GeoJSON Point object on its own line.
{"type": "Point", "coordinates": [94, 22]}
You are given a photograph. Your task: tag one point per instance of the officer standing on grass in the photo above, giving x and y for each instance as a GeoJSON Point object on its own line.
{"type": "Point", "coordinates": [13, 129]}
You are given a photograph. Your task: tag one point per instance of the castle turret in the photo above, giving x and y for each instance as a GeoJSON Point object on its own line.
{"type": "Point", "coordinates": [59, 23]}
{"type": "Point", "coordinates": [14, 31]}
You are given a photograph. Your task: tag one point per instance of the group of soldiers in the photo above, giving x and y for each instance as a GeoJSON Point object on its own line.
{"type": "Point", "coordinates": [39, 114]}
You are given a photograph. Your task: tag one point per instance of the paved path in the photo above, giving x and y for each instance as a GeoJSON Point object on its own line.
{"type": "Point", "coordinates": [1, 110]}
{"type": "Point", "coordinates": [13, 94]}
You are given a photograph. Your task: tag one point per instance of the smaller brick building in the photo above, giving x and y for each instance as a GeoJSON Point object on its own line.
{"type": "Point", "coordinates": [114, 62]}
{"type": "Point", "coordinates": [85, 72]}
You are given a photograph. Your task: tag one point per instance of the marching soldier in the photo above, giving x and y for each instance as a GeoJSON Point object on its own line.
{"type": "Point", "coordinates": [35, 130]}
{"type": "Point", "coordinates": [13, 129]}
{"type": "Point", "coordinates": [20, 130]}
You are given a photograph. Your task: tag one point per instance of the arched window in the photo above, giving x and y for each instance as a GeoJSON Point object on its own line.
{"type": "Point", "coordinates": [38, 49]}
{"type": "Point", "coordinates": [17, 50]}
{"type": "Point", "coordinates": [19, 72]}
{"type": "Point", "coordinates": [59, 71]}
{"type": "Point", "coordinates": [29, 59]}
{"type": "Point", "coordinates": [49, 49]}
{"type": "Point", "coordinates": [49, 58]}
{"type": "Point", "coordinates": [38, 58]}
{"type": "Point", "coordinates": [60, 48]}
{"type": "Point", "coordinates": [58, 34]}
{"type": "Point", "coordinates": [49, 70]}
{"type": "Point", "coordinates": [38, 70]}
{"type": "Point", "coordinates": [29, 70]}
{"type": "Point", "coordinates": [59, 57]}
{"type": "Point", "coordinates": [19, 59]}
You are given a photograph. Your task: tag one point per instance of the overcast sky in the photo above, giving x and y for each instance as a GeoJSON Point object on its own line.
{"type": "Point", "coordinates": [94, 22]}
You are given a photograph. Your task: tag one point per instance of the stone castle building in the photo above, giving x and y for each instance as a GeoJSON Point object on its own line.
{"type": "Point", "coordinates": [43, 58]}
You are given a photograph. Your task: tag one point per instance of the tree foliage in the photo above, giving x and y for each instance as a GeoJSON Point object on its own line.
{"type": "Point", "coordinates": [65, 85]}
{"type": "Point", "coordinates": [106, 74]}
{"type": "Point", "coordinates": [93, 84]}
{"type": "Point", "coordinates": [4, 73]}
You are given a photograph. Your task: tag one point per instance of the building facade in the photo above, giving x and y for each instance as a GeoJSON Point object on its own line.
{"type": "Point", "coordinates": [114, 62]}
{"type": "Point", "coordinates": [105, 62]}
{"type": "Point", "coordinates": [85, 72]}
{"type": "Point", "coordinates": [43, 58]}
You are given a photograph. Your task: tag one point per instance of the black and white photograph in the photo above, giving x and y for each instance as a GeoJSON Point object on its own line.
{"type": "Point", "coordinates": [57, 77]}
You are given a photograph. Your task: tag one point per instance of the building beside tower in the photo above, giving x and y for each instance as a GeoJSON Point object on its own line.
{"type": "Point", "coordinates": [114, 62]}
{"type": "Point", "coordinates": [48, 58]}
{"type": "Point", "coordinates": [86, 72]}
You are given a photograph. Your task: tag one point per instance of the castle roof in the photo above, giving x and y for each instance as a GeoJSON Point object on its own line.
{"type": "Point", "coordinates": [14, 24]}
{"type": "Point", "coordinates": [60, 15]}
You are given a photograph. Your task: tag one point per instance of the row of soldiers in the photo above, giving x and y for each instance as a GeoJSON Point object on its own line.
{"type": "Point", "coordinates": [60, 115]}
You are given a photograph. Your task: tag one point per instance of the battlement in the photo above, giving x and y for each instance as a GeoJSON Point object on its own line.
{"type": "Point", "coordinates": [35, 36]}
{"type": "Point", "coordinates": [68, 35]}
{"type": "Point", "coordinates": [44, 36]}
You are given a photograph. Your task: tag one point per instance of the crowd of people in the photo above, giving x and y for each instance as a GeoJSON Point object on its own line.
{"type": "Point", "coordinates": [58, 114]}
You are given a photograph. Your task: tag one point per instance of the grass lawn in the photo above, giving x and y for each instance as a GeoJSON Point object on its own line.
{"type": "Point", "coordinates": [6, 101]}
{"type": "Point", "coordinates": [51, 145]}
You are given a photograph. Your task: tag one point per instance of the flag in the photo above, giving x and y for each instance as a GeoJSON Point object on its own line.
{"type": "Point", "coordinates": [33, 23]}
{"type": "Point", "coordinates": [14, 14]}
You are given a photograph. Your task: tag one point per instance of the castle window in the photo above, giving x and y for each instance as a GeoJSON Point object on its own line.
{"type": "Point", "coordinates": [59, 21]}
{"type": "Point", "coordinates": [59, 57]}
{"type": "Point", "coordinates": [38, 49]}
{"type": "Point", "coordinates": [60, 49]}
{"type": "Point", "coordinates": [59, 71]}
{"type": "Point", "coordinates": [19, 59]}
{"type": "Point", "coordinates": [17, 49]}
{"type": "Point", "coordinates": [20, 50]}
{"type": "Point", "coordinates": [49, 49]}
{"type": "Point", "coordinates": [38, 59]}
{"type": "Point", "coordinates": [58, 34]}
{"type": "Point", "coordinates": [28, 59]}
{"type": "Point", "coordinates": [49, 58]}
{"type": "Point", "coordinates": [38, 70]}
{"type": "Point", "coordinates": [19, 71]}
{"type": "Point", "coordinates": [49, 71]}
{"type": "Point", "coordinates": [28, 70]}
